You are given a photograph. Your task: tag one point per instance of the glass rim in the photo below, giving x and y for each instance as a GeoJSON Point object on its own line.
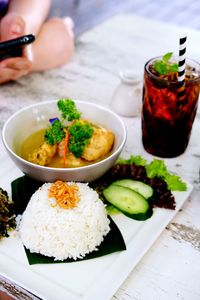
{"type": "Point", "coordinates": [188, 59]}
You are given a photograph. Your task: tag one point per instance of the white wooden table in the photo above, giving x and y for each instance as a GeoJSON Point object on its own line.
{"type": "Point", "coordinates": [171, 267]}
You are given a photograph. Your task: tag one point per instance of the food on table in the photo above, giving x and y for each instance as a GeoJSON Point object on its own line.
{"type": "Point", "coordinates": [64, 195]}
{"type": "Point", "coordinates": [138, 186]}
{"type": "Point", "coordinates": [70, 142]}
{"type": "Point", "coordinates": [127, 200]}
{"type": "Point", "coordinates": [7, 216]}
{"type": "Point", "coordinates": [64, 220]}
{"type": "Point", "coordinates": [43, 155]}
{"type": "Point", "coordinates": [100, 144]}
{"type": "Point", "coordinates": [169, 109]}
{"type": "Point", "coordinates": [153, 174]}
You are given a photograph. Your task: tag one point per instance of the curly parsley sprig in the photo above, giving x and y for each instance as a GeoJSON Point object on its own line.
{"type": "Point", "coordinates": [68, 109]}
{"type": "Point", "coordinates": [54, 133]}
{"type": "Point", "coordinates": [80, 134]}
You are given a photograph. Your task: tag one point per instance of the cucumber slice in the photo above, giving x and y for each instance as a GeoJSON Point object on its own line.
{"type": "Point", "coordinates": [140, 187]}
{"type": "Point", "coordinates": [142, 216]}
{"type": "Point", "coordinates": [126, 200]}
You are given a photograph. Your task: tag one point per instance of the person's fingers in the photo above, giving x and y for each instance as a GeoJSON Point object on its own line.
{"type": "Point", "coordinates": [12, 26]}
{"type": "Point", "coordinates": [7, 75]}
{"type": "Point", "coordinates": [10, 74]}
{"type": "Point", "coordinates": [14, 68]}
{"type": "Point", "coordinates": [16, 63]}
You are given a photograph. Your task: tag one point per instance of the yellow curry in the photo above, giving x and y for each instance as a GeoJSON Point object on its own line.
{"type": "Point", "coordinates": [69, 141]}
{"type": "Point", "coordinates": [36, 150]}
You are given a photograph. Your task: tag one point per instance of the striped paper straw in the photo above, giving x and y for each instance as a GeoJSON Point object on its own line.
{"type": "Point", "coordinates": [182, 56]}
{"type": "Point", "coordinates": [181, 69]}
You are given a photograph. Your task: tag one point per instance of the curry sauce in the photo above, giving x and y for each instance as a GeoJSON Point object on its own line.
{"type": "Point", "coordinates": [47, 155]}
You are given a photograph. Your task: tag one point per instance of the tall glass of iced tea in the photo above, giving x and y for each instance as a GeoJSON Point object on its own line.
{"type": "Point", "coordinates": [169, 109]}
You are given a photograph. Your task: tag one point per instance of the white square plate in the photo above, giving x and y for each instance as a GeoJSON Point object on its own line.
{"type": "Point", "coordinates": [97, 278]}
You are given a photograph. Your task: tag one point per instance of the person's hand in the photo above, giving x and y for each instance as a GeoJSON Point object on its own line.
{"type": "Point", "coordinates": [13, 26]}
{"type": "Point", "coordinates": [14, 68]}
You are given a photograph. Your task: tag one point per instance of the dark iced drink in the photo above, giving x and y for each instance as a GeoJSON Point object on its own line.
{"type": "Point", "coordinates": [169, 109]}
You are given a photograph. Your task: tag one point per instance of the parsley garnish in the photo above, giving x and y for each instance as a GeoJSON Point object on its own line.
{"type": "Point", "coordinates": [80, 134]}
{"type": "Point", "coordinates": [164, 66]}
{"type": "Point", "coordinates": [54, 134]}
{"type": "Point", "coordinates": [68, 109]}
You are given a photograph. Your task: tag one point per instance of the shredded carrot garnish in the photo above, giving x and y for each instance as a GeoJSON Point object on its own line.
{"type": "Point", "coordinates": [66, 142]}
{"type": "Point", "coordinates": [66, 195]}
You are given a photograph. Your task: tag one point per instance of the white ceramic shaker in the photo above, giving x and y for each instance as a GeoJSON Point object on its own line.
{"type": "Point", "coordinates": [127, 98]}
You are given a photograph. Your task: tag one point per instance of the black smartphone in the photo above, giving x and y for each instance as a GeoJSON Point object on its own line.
{"type": "Point", "coordinates": [13, 48]}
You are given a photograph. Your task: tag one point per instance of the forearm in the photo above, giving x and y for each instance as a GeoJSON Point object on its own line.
{"type": "Point", "coordinates": [34, 12]}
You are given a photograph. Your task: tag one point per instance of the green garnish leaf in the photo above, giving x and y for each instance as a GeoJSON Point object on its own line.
{"type": "Point", "coordinates": [55, 133]}
{"type": "Point", "coordinates": [164, 66]}
{"type": "Point", "coordinates": [112, 210]}
{"type": "Point", "coordinates": [137, 160]}
{"type": "Point", "coordinates": [167, 56]}
{"type": "Point", "coordinates": [80, 134]}
{"type": "Point", "coordinates": [157, 168]}
{"type": "Point", "coordinates": [160, 67]}
{"type": "Point", "coordinates": [173, 68]}
{"type": "Point", "coordinates": [68, 109]}
{"type": "Point", "coordinates": [175, 183]}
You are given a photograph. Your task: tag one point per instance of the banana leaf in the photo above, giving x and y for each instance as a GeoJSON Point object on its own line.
{"type": "Point", "coordinates": [22, 190]}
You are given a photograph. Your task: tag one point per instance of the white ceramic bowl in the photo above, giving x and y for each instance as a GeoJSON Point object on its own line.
{"type": "Point", "coordinates": [32, 118]}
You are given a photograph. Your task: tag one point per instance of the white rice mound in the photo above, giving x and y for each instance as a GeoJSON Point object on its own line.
{"type": "Point", "coordinates": [64, 233]}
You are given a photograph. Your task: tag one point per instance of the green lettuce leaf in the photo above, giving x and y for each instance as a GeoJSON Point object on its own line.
{"type": "Point", "coordinates": [137, 160]}
{"type": "Point", "coordinates": [175, 183]}
{"type": "Point", "coordinates": [157, 168]}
